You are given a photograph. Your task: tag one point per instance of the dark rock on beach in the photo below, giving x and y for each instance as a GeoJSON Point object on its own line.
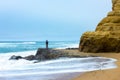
{"type": "Point", "coordinates": [42, 54]}
{"type": "Point", "coordinates": [30, 57]}
{"type": "Point", "coordinates": [15, 57]}
{"type": "Point", "coordinates": [48, 54]}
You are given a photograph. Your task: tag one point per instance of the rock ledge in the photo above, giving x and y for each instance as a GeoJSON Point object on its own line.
{"type": "Point", "coordinates": [106, 37]}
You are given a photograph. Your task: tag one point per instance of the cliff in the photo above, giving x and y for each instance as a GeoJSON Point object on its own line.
{"type": "Point", "coordinates": [106, 37]}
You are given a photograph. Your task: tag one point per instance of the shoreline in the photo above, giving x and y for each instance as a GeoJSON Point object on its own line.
{"type": "Point", "coordinates": [109, 74]}
{"type": "Point", "coordinates": [99, 74]}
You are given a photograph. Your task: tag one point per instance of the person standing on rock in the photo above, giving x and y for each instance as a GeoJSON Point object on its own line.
{"type": "Point", "coordinates": [46, 44]}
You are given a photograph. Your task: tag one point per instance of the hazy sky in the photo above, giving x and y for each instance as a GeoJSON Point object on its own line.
{"type": "Point", "coordinates": [50, 19]}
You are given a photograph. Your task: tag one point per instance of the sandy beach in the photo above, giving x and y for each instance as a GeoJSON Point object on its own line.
{"type": "Point", "coordinates": [110, 74]}
{"type": "Point", "coordinates": [65, 76]}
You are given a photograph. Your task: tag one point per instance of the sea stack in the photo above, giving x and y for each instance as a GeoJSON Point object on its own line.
{"type": "Point", "coordinates": [106, 37]}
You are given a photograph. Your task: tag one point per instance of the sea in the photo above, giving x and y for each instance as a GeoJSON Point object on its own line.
{"type": "Point", "coordinates": [57, 69]}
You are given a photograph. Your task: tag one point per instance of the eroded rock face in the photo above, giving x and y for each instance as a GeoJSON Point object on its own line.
{"type": "Point", "coordinates": [106, 37]}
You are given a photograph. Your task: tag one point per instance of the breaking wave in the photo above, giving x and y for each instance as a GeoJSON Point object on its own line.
{"type": "Point", "coordinates": [61, 65]}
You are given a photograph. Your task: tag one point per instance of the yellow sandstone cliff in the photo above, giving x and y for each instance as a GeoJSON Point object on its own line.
{"type": "Point", "coordinates": [106, 37]}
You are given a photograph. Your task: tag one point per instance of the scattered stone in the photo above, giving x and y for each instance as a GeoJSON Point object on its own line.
{"type": "Point", "coordinates": [15, 57]}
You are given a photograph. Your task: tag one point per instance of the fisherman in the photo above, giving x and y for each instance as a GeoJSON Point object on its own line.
{"type": "Point", "coordinates": [46, 44]}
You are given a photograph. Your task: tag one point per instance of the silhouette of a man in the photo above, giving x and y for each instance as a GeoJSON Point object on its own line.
{"type": "Point", "coordinates": [46, 44]}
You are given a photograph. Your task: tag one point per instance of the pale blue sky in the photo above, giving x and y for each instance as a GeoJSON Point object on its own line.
{"type": "Point", "coordinates": [50, 19]}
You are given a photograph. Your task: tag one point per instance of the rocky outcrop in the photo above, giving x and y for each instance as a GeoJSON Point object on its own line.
{"type": "Point", "coordinates": [42, 54]}
{"type": "Point", "coordinates": [46, 54]}
{"type": "Point", "coordinates": [106, 37]}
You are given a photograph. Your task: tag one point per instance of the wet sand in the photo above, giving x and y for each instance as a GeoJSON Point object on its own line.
{"type": "Point", "coordinates": [110, 74]}
{"type": "Point", "coordinates": [64, 76]}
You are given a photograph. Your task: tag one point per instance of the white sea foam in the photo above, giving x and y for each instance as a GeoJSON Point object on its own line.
{"type": "Point", "coordinates": [28, 43]}
{"type": "Point", "coordinates": [7, 45]}
{"type": "Point", "coordinates": [61, 65]}
{"type": "Point", "coordinates": [5, 63]}
{"type": "Point", "coordinates": [10, 43]}
{"type": "Point", "coordinates": [15, 44]}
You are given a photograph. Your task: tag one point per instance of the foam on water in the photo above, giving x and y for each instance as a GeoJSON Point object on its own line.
{"type": "Point", "coordinates": [24, 42]}
{"type": "Point", "coordinates": [61, 65]}
{"type": "Point", "coordinates": [6, 64]}
{"type": "Point", "coordinates": [15, 44]}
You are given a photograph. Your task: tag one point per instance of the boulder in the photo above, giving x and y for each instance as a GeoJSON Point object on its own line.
{"type": "Point", "coordinates": [46, 54]}
{"type": "Point", "coordinates": [15, 57]}
{"type": "Point", "coordinates": [30, 57]}
{"type": "Point", "coordinates": [42, 53]}
{"type": "Point", "coordinates": [106, 37]}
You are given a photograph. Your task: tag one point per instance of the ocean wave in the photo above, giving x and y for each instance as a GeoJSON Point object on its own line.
{"type": "Point", "coordinates": [10, 43]}
{"type": "Point", "coordinates": [28, 43]}
{"type": "Point", "coordinates": [15, 45]}
{"type": "Point", "coordinates": [61, 65]}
